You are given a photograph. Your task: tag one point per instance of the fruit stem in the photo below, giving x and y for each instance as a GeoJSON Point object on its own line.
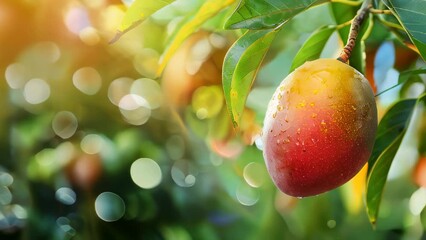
{"type": "Point", "coordinates": [353, 34]}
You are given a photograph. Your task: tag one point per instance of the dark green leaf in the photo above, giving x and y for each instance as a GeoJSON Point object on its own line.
{"type": "Point", "coordinates": [254, 14]}
{"type": "Point", "coordinates": [377, 178]}
{"type": "Point", "coordinates": [240, 68]}
{"type": "Point", "coordinates": [412, 17]}
{"type": "Point", "coordinates": [313, 46]}
{"type": "Point", "coordinates": [391, 126]}
{"type": "Point", "coordinates": [391, 132]}
{"type": "Point", "coordinates": [404, 77]}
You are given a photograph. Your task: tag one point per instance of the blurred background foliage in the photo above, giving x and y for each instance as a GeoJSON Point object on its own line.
{"type": "Point", "coordinates": [94, 146]}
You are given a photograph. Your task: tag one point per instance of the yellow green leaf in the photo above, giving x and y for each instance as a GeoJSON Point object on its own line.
{"type": "Point", "coordinates": [207, 10]}
{"type": "Point", "coordinates": [138, 12]}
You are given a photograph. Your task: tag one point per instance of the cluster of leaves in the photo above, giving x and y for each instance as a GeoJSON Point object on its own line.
{"type": "Point", "coordinates": [261, 21]}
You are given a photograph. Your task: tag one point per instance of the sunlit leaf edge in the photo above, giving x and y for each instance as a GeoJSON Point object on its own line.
{"type": "Point", "coordinates": [374, 192]}
{"type": "Point", "coordinates": [373, 207]}
{"type": "Point", "coordinates": [142, 12]}
{"type": "Point", "coordinates": [232, 63]}
{"type": "Point", "coordinates": [207, 10]}
{"type": "Point", "coordinates": [249, 23]}
{"type": "Point", "coordinates": [316, 40]}
{"type": "Point", "coordinates": [421, 46]}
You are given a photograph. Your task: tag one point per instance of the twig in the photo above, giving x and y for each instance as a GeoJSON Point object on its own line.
{"type": "Point", "coordinates": [353, 34]}
{"type": "Point", "coordinates": [380, 11]}
{"type": "Point", "coordinates": [348, 2]}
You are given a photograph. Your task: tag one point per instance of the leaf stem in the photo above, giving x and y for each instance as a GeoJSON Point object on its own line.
{"type": "Point", "coordinates": [353, 34]}
{"type": "Point", "coordinates": [380, 11]}
{"type": "Point", "coordinates": [348, 2]}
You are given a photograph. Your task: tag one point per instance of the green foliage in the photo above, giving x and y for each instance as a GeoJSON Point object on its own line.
{"type": "Point", "coordinates": [408, 14]}
{"type": "Point", "coordinates": [390, 134]}
{"type": "Point", "coordinates": [265, 19]}
{"type": "Point", "coordinates": [313, 46]}
{"type": "Point", "coordinates": [209, 9]}
{"type": "Point", "coordinates": [253, 14]}
{"type": "Point", "coordinates": [218, 205]}
{"type": "Point", "coordinates": [139, 11]}
{"type": "Point", "coordinates": [240, 68]}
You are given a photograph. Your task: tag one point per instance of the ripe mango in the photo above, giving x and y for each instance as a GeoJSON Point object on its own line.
{"type": "Point", "coordinates": [319, 128]}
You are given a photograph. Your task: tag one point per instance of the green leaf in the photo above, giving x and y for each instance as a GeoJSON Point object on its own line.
{"type": "Point", "coordinates": [240, 68]}
{"type": "Point", "coordinates": [377, 178]}
{"type": "Point", "coordinates": [254, 14]}
{"type": "Point", "coordinates": [404, 77]}
{"type": "Point", "coordinates": [391, 132]}
{"type": "Point", "coordinates": [391, 126]}
{"type": "Point", "coordinates": [138, 12]}
{"type": "Point", "coordinates": [209, 9]}
{"type": "Point", "coordinates": [313, 46]}
{"type": "Point", "coordinates": [412, 17]}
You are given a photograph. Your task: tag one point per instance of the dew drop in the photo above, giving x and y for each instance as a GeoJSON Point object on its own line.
{"type": "Point", "coordinates": [298, 131]}
{"type": "Point", "coordinates": [301, 104]}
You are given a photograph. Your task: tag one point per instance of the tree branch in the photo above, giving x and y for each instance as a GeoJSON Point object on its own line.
{"type": "Point", "coordinates": [353, 34]}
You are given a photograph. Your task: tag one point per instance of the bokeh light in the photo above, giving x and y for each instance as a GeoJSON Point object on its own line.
{"type": "Point", "coordinates": [184, 173]}
{"type": "Point", "coordinates": [5, 195]}
{"type": "Point", "coordinates": [66, 196]}
{"type": "Point", "coordinates": [6, 179]}
{"type": "Point", "coordinates": [247, 195]}
{"type": "Point", "coordinates": [76, 19]}
{"type": "Point", "coordinates": [64, 124]}
{"type": "Point", "coordinates": [254, 175]}
{"type": "Point", "coordinates": [109, 207]}
{"type": "Point", "coordinates": [146, 173]}
{"type": "Point", "coordinates": [16, 74]}
{"type": "Point", "coordinates": [135, 109]}
{"type": "Point", "coordinates": [146, 62]}
{"type": "Point", "coordinates": [119, 88]}
{"type": "Point", "coordinates": [150, 90]}
{"type": "Point", "coordinates": [207, 101]}
{"type": "Point", "coordinates": [47, 52]}
{"type": "Point", "coordinates": [89, 36]}
{"type": "Point", "coordinates": [418, 201]}
{"type": "Point", "coordinates": [36, 91]}
{"type": "Point", "coordinates": [92, 144]}
{"type": "Point", "coordinates": [87, 80]}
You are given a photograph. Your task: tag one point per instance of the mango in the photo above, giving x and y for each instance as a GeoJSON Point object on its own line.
{"type": "Point", "coordinates": [319, 128]}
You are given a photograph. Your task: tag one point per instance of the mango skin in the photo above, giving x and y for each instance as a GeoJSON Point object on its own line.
{"type": "Point", "coordinates": [319, 128]}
